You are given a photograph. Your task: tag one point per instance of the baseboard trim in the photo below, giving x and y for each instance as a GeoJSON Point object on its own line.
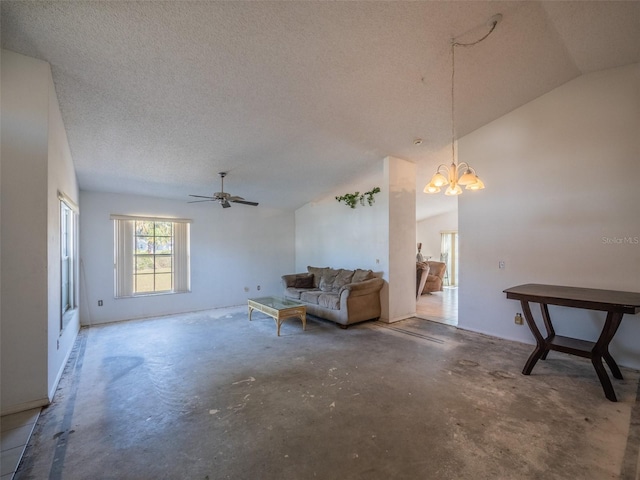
{"type": "Point", "coordinates": [397, 319]}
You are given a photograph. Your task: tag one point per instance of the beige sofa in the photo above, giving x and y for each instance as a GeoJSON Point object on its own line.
{"type": "Point", "coordinates": [342, 296]}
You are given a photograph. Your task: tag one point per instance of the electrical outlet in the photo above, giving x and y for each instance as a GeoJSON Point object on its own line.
{"type": "Point", "coordinates": [518, 319]}
{"type": "Point", "coordinates": [246, 289]}
{"type": "Point", "coordinates": [501, 264]}
{"type": "Point", "coordinates": [99, 303]}
{"type": "Point", "coordinates": [258, 288]}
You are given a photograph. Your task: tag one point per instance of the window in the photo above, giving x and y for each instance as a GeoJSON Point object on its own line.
{"type": "Point", "coordinates": [449, 255]}
{"type": "Point", "coordinates": [68, 258]}
{"type": "Point", "coordinates": [151, 256]}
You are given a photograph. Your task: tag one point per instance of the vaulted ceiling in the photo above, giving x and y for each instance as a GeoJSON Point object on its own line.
{"type": "Point", "coordinates": [295, 98]}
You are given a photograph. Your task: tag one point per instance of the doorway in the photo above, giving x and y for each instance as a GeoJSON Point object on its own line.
{"type": "Point", "coordinates": [439, 238]}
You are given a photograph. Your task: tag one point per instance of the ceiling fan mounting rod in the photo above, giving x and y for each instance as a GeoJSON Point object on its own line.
{"type": "Point", "coordinates": [222, 175]}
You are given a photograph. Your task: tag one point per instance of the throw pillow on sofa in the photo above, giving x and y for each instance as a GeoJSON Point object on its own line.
{"type": "Point", "coordinates": [343, 278]}
{"type": "Point", "coordinates": [362, 275]}
{"type": "Point", "coordinates": [317, 274]}
{"type": "Point", "coordinates": [328, 277]}
{"type": "Point", "coordinates": [304, 281]}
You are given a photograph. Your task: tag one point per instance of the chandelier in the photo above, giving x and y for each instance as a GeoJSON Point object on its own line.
{"type": "Point", "coordinates": [458, 175]}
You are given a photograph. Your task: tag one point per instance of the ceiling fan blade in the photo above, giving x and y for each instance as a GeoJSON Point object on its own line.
{"type": "Point", "coordinates": [202, 196]}
{"type": "Point", "coordinates": [234, 198]}
{"type": "Point", "coordinates": [244, 202]}
{"type": "Point", "coordinates": [198, 201]}
{"type": "Point", "coordinates": [225, 204]}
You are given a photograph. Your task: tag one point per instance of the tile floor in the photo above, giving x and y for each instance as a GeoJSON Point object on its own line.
{"type": "Point", "coordinates": [16, 430]}
{"type": "Point", "coordinates": [441, 307]}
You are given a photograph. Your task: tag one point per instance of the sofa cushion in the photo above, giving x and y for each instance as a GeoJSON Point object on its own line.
{"type": "Point", "coordinates": [343, 278]}
{"type": "Point", "coordinates": [311, 296]}
{"type": "Point", "coordinates": [329, 300]}
{"type": "Point", "coordinates": [292, 292]}
{"type": "Point", "coordinates": [328, 277]}
{"type": "Point", "coordinates": [317, 274]}
{"type": "Point", "coordinates": [362, 275]}
{"type": "Point", "coordinates": [304, 281]}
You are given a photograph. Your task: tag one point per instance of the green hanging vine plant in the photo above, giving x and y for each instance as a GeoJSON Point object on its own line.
{"type": "Point", "coordinates": [352, 199]}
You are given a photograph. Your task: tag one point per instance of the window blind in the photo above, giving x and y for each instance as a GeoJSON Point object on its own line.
{"type": "Point", "coordinates": [124, 246]}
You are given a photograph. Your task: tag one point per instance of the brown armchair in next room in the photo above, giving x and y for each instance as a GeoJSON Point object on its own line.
{"type": "Point", "coordinates": [434, 276]}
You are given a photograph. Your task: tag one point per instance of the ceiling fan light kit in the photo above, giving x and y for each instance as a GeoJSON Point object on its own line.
{"type": "Point", "coordinates": [461, 174]}
{"type": "Point", "coordinates": [222, 197]}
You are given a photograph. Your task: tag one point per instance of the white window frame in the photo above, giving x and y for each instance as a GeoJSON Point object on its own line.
{"type": "Point", "coordinates": [124, 255]}
{"type": "Point", "coordinates": [68, 258]}
{"type": "Point", "coordinates": [449, 255]}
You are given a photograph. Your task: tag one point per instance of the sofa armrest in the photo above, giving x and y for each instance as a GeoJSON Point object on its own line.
{"type": "Point", "coordinates": [366, 287]}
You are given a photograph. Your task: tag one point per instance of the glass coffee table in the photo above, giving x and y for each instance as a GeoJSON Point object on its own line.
{"type": "Point", "coordinates": [279, 309]}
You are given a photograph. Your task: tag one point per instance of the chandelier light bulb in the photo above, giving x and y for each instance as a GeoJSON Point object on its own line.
{"type": "Point", "coordinates": [431, 188]}
{"type": "Point", "coordinates": [439, 180]}
{"type": "Point", "coordinates": [453, 190]}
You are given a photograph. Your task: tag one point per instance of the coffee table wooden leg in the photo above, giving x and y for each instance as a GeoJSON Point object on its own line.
{"type": "Point", "coordinates": [304, 321]}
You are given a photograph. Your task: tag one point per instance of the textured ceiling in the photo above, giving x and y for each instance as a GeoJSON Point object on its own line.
{"type": "Point", "coordinates": [296, 98]}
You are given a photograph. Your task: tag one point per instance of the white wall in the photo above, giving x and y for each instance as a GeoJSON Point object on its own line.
{"type": "Point", "coordinates": [562, 177]}
{"type": "Point", "coordinates": [231, 249]}
{"type": "Point", "coordinates": [330, 234]}
{"type": "Point", "coordinates": [35, 163]}
{"type": "Point", "coordinates": [428, 232]}
{"type": "Point", "coordinates": [61, 179]}
{"type": "Point", "coordinates": [24, 231]}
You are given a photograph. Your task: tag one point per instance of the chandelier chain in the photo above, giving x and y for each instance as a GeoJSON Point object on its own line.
{"type": "Point", "coordinates": [453, 123]}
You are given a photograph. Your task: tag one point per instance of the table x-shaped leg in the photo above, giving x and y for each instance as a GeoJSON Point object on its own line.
{"type": "Point", "coordinates": [601, 350]}
{"type": "Point", "coordinates": [542, 348]}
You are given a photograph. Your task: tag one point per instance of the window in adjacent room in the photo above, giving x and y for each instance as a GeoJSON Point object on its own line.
{"type": "Point", "coordinates": [68, 258]}
{"type": "Point", "coordinates": [151, 256]}
{"type": "Point", "coordinates": [449, 255]}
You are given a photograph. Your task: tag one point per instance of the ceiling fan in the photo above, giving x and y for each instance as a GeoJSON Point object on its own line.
{"type": "Point", "coordinates": [222, 197]}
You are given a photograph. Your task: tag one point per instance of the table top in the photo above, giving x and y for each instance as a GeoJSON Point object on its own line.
{"type": "Point", "coordinates": [578, 297]}
{"type": "Point", "coordinates": [277, 303]}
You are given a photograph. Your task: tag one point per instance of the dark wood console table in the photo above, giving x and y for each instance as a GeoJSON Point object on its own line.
{"type": "Point", "coordinates": [615, 303]}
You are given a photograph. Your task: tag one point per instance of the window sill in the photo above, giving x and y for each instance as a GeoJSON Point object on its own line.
{"type": "Point", "coordinates": [152, 294]}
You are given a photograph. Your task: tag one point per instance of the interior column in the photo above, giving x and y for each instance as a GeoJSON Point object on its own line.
{"type": "Point", "coordinates": [398, 296]}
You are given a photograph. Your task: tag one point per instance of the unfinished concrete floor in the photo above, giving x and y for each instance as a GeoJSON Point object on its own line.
{"type": "Point", "coordinates": [211, 395]}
